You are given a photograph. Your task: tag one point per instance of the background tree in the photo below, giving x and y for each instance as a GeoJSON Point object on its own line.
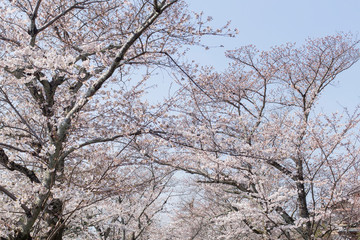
{"type": "Point", "coordinates": [254, 132]}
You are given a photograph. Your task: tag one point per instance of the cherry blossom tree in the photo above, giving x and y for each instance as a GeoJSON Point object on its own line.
{"type": "Point", "coordinates": [84, 155]}
{"type": "Point", "coordinates": [74, 122]}
{"type": "Point", "coordinates": [254, 133]}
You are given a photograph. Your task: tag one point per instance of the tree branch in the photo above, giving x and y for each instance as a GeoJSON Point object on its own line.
{"type": "Point", "coordinates": [12, 147]}
{"type": "Point", "coordinates": [117, 61]}
{"type": "Point", "coordinates": [46, 25]}
{"type": "Point", "coordinates": [12, 166]}
{"type": "Point", "coordinates": [9, 40]}
{"type": "Point", "coordinates": [98, 140]}
{"type": "Point", "coordinates": [12, 196]}
{"type": "Point", "coordinates": [21, 117]}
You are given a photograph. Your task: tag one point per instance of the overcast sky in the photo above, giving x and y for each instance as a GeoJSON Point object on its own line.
{"type": "Point", "coordinates": [266, 23]}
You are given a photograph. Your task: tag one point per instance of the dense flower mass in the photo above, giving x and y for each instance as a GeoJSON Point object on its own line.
{"type": "Point", "coordinates": [73, 123]}
{"type": "Point", "coordinates": [84, 155]}
{"type": "Point", "coordinates": [269, 165]}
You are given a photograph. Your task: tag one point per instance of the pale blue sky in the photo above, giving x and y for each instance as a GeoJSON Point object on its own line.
{"type": "Point", "coordinates": [265, 23]}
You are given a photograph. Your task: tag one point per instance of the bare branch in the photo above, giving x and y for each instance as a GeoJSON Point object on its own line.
{"type": "Point", "coordinates": [98, 140]}
{"type": "Point", "coordinates": [21, 117]}
{"type": "Point", "coordinates": [75, 6]}
{"type": "Point", "coordinates": [9, 40]}
{"type": "Point", "coordinates": [12, 196]}
{"type": "Point", "coordinates": [8, 146]}
{"type": "Point", "coordinates": [117, 61]}
{"type": "Point", "coordinates": [12, 166]}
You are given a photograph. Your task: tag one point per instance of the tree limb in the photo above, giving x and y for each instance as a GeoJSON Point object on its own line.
{"type": "Point", "coordinates": [106, 75]}
{"type": "Point", "coordinates": [12, 166]}
{"type": "Point", "coordinates": [12, 196]}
